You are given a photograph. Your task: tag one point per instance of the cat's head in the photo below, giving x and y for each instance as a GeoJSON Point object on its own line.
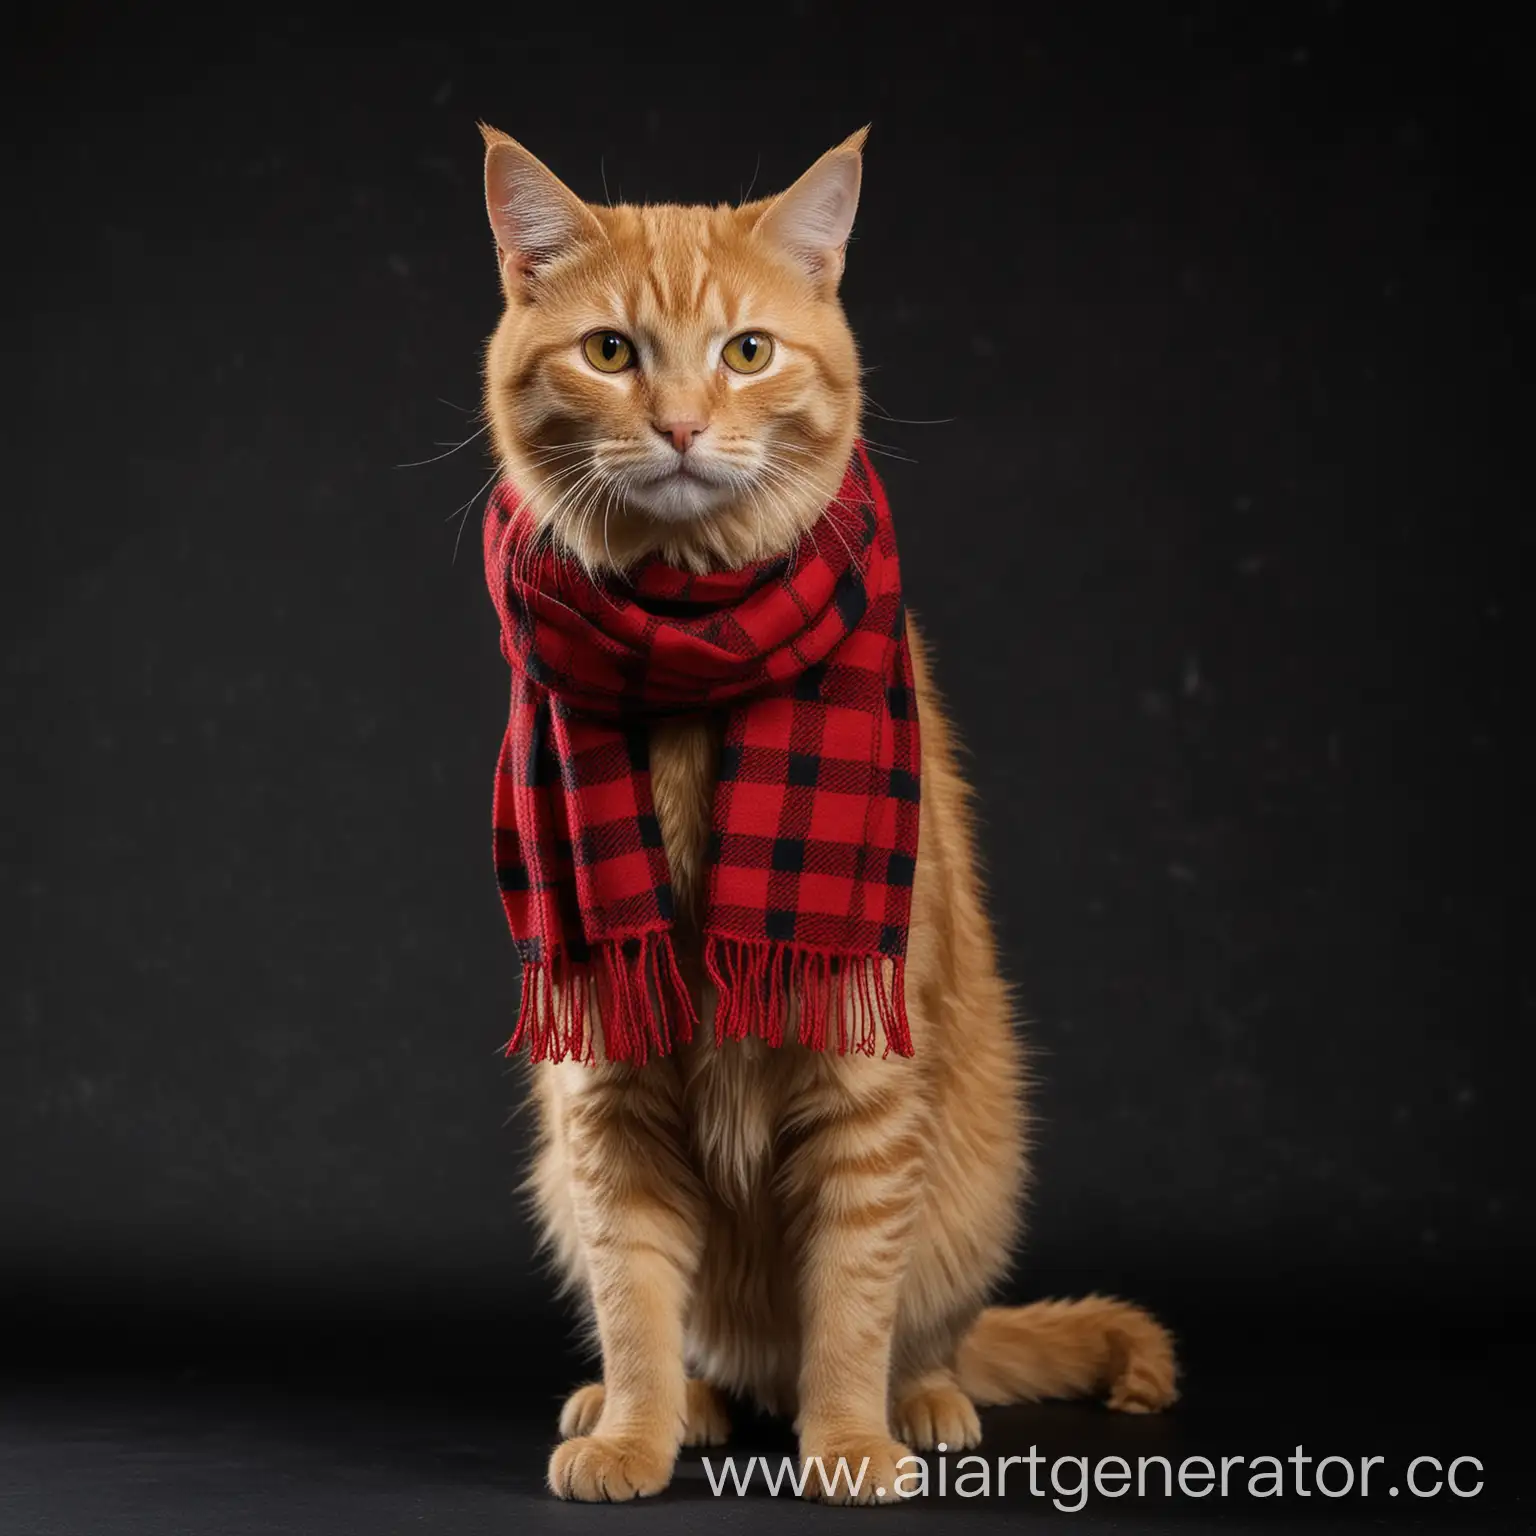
{"type": "Point", "coordinates": [672, 379]}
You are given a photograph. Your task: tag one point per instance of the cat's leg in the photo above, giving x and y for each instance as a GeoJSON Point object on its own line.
{"type": "Point", "coordinates": [857, 1179]}
{"type": "Point", "coordinates": [705, 1421]}
{"type": "Point", "coordinates": [638, 1213]}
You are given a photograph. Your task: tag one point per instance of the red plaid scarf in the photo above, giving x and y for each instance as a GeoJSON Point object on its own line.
{"type": "Point", "coordinates": [814, 828]}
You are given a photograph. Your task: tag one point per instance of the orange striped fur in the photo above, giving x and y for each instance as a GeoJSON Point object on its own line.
{"type": "Point", "coordinates": [817, 1233]}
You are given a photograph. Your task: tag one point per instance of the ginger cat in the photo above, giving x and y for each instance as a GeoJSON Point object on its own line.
{"type": "Point", "coordinates": [813, 1231]}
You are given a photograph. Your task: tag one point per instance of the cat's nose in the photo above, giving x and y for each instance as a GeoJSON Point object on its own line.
{"type": "Point", "coordinates": [682, 433]}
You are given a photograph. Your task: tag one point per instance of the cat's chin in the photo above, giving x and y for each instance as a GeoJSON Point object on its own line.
{"type": "Point", "coordinates": [678, 498]}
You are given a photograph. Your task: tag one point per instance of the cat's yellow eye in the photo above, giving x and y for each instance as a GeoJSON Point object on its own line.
{"type": "Point", "coordinates": [608, 351]}
{"type": "Point", "coordinates": [749, 352]}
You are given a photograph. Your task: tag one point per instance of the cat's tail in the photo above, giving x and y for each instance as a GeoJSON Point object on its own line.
{"type": "Point", "coordinates": [1088, 1348]}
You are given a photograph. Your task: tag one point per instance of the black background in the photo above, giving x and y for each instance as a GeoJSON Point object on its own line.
{"type": "Point", "coordinates": [1203, 332]}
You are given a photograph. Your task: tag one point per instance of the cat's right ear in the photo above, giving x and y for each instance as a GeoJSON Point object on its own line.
{"type": "Point", "coordinates": [534, 215]}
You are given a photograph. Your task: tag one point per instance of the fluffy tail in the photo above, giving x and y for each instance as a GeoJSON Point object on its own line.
{"type": "Point", "coordinates": [1069, 1349]}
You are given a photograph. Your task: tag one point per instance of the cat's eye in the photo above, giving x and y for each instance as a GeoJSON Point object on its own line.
{"type": "Point", "coordinates": [749, 352]}
{"type": "Point", "coordinates": [608, 351]}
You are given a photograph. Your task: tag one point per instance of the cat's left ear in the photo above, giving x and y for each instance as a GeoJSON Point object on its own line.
{"type": "Point", "coordinates": [813, 219]}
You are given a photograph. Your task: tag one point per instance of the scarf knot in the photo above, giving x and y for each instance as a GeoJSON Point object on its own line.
{"type": "Point", "coordinates": [813, 829]}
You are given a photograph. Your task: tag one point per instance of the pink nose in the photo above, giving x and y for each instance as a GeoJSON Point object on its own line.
{"type": "Point", "coordinates": [682, 433]}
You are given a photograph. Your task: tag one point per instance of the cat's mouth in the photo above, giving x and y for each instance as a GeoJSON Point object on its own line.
{"type": "Point", "coordinates": [679, 493]}
{"type": "Point", "coordinates": [684, 470]}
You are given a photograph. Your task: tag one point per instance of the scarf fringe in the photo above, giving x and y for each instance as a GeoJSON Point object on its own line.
{"type": "Point", "coordinates": [850, 999]}
{"type": "Point", "coordinates": [628, 991]}
{"type": "Point", "coordinates": [631, 988]}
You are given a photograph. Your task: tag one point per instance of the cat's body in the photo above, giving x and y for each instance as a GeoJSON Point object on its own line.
{"type": "Point", "coordinates": [817, 1232]}
{"type": "Point", "coordinates": [748, 1117]}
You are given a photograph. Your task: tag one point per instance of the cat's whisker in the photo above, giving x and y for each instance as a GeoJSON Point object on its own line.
{"type": "Point", "coordinates": [792, 476]}
{"type": "Point", "coordinates": [555, 517]}
{"type": "Point", "coordinates": [559, 451]}
{"type": "Point", "coordinates": [887, 450]}
{"type": "Point", "coordinates": [452, 449]}
{"type": "Point", "coordinates": [751, 488]}
{"type": "Point", "coordinates": [791, 479]}
{"type": "Point", "coordinates": [746, 196]}
{"type": "Point", "coordinates": [796, 478]}
{"type": "Point", "coordinates": [617, 489]}
{"type": "Point", "coordinates": [572, 519]}
{"type": "Point", "coordinates": [888, 453]}
{"type": "Point", "coordinates": [906, 421]}
{"type": "Point", "coordinates": [462, 512]}
{"type": "Point", "coordinates": [546, 488]}
{"type": "Point", "coordinates": [607, 547]}
{"type": "Point", "coordinates": [464, 506]}
{"type": "Point", "coordinates": [602, 487]}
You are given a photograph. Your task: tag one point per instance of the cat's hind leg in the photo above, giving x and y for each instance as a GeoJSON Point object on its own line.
{"type": "Point", "coordinates": [930, 1410]}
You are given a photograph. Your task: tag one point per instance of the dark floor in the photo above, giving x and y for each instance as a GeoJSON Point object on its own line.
{"type": "Point", "coordinates": [415, 1434]}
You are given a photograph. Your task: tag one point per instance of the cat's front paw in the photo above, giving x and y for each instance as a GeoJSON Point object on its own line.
{"type": "Point", "coordinates": [599, 1468]}
{"type": "Point", "coordinates": [855, 1469]}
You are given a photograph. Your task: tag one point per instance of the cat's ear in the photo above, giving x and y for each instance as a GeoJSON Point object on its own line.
{"type": "Point", "coordinates": [534, 215]}
{"type": "Point", "coordinates": [813, 219]}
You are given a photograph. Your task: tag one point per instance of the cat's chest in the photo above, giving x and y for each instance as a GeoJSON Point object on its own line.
{"type": "Point", "coordinates": [685, 759]}
{"type": "Point", "coordinates": [736, 1094]}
